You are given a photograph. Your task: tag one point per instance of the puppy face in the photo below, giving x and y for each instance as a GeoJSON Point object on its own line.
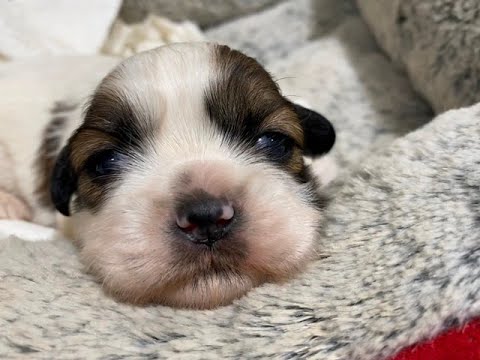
{"type": "Point", "coordinates": [186, 180]}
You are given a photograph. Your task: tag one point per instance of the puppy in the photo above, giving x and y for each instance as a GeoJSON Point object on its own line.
{"type": "Point", "coordinates": [185, 181]}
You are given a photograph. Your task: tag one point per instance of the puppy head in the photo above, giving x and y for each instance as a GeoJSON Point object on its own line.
{"type": "Point", "coordinates": [186, 181]}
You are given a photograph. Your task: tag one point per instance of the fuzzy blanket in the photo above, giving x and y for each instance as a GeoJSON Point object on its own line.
{"type": "Point", "coordinates": [401, 238]}
{"type": "Point", "coordinates": [436, 42]}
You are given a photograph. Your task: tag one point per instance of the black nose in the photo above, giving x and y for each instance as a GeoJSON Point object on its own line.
{"type": "Point", "coordinates": [204, 218]}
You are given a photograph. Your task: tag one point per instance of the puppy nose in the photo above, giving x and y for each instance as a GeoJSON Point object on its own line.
{"type": "Point", "coordinates": [205, 219]}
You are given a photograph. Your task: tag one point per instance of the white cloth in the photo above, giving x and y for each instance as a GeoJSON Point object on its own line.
{"type": "Point", "coordinates": [54, 27]}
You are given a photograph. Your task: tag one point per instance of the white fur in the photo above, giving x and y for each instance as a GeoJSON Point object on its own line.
{"type": "Point", "coordinates": [28, 96]}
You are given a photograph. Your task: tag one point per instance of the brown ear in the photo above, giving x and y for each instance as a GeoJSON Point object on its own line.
{"type": "Point", "coordinates": [318, 131]}
{"type": "Point", "coordinates": [63, 182]}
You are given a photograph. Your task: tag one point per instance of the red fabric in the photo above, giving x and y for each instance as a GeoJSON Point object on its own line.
{"type": "Point", "coordinates": [455, 344]}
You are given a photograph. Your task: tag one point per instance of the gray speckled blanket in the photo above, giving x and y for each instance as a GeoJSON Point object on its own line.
{"type": "Point", "coordinates": [436, 42]}
{"type": "Point", "coordinates": [401, 237]}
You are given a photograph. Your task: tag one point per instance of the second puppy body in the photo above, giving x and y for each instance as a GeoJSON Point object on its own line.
{"type": "Point", "coordinates": [185, 180]}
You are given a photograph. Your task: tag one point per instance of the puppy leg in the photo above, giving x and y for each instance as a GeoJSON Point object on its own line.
{"type": "Point", "coordinates": [11, 205]}
{"type": "Point", "coordinates": [12, 208]}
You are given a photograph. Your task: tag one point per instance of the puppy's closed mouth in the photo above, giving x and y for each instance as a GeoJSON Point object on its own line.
{"type": "Point", "coordinates": [186, 182]}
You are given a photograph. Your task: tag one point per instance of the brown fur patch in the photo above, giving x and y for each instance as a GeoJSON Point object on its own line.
{"type": "Point", "coordinates": [48, 151]}
{"type": "Point", "coordinates": [110, 123]}
{"type": "Point", "coordinates": [61, 107]}
{"type": "Point", "coordinates": [85, 143]}
{"type": "Point", "coordinates": [245, 102]}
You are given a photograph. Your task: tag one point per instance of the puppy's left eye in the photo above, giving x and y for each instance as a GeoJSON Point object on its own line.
{"type": "Point", "coordinates": [104, 163]}
{"type": "Point", "coordinates": [277, 146]}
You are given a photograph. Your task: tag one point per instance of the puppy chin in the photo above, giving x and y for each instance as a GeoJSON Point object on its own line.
{"type": "Point", "coordinates": [204, 293]}
{"type": "Point", "coordinates": [138, 259]}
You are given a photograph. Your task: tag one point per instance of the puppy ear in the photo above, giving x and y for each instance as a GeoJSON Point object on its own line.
{"type": "Point", "coordinates": [63, 182]}
{"type": "Point", "coordinates": [319, 134]}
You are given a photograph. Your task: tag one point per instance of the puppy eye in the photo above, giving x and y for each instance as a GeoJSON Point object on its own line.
{"type": "Point", "coordinates": [104, 163]}
{"type": "Point", "coordinates": [277, 146]}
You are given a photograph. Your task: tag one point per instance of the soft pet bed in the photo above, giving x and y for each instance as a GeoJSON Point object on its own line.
{"type": "Point", "coordinates": [401, 240]}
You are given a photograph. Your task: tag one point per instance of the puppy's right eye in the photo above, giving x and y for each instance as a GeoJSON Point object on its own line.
{"type": "Point", "coordinates": [104, 163]}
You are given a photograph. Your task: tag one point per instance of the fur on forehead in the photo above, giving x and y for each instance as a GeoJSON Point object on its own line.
{"type": "Point", "coordinates": [196, 80]}
{"type": "Point", "coordinates": [139, 92]}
